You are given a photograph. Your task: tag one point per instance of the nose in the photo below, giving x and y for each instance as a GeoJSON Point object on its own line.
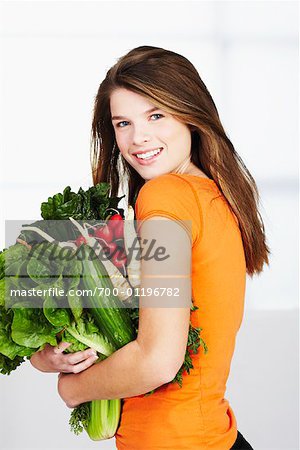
{"type": "Point", "coordinates": [140, 136]}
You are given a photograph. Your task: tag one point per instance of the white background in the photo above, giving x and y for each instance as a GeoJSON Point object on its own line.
{"type": "Point", "coordinates": [54, 54]}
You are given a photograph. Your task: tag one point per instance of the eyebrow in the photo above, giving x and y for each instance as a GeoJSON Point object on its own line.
{"type": "Point", "coordinates": [146, 112]}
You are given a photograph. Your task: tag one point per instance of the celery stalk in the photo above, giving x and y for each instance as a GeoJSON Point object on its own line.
{"type": "Point", "coordinates": [104, 419]}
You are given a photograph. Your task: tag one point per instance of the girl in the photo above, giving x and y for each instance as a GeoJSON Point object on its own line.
{"type": "Point", "coordinates": [156, 125]}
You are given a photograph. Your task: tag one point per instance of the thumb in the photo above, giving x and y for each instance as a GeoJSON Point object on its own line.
{"type": "Point", "coordinates": [61, 347]}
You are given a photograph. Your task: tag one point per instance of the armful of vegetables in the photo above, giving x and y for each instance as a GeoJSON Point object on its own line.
{"type": "Point", "coordinates": [97, 326]}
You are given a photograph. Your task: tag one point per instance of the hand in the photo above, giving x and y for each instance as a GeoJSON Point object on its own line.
{"type": "Point", "coordinates": [52, 359]}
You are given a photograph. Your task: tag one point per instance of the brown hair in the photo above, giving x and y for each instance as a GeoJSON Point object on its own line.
{"type": "Point", "coordinates": [173, 84]}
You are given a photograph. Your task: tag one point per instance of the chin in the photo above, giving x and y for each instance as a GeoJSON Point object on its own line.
{"type": "Point", "coordinates": [154, 173]}
{"type": "Point", "coordinates": [151, 177]}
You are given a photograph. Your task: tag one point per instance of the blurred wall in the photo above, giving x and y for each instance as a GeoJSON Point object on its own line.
{"type": "Point", "coordinates": [54, 55]}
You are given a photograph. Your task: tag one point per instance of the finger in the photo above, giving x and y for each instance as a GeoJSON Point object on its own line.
{"type": "Point", "coordinates": [74, 358]}
{"type": "Point", "coordinates": [84, 365]}
{"type": "Point", "coordinates": [61, 347]}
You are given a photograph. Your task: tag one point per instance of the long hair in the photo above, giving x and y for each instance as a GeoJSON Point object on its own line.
{"type": "Point", "coordinates": [173, 84]}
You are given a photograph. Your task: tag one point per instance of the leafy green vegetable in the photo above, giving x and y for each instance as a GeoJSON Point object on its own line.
{"type": "Point", "coordinates": [31, 328]}
{"type": "Point", "coordinates": [2, 292]}
{"type": "Point", "coordinates": [75, 306]}
{"type": "Point", "coordinates": [193, 344]}
{"type": "Point", "coordinates": [80, 418]}
{"type": "Point", "coordinates": [85, 205]}
{"type": "Point", "coordinates": [7, 365]}
{"type": "Point", "coordinates": [8, 347]}
{"type": "Point", "coordinates": [57, 316]}
{"type": "Point", "coordinates": [16, 253]}
{"type": "Point", "coordinates": [86, 332]}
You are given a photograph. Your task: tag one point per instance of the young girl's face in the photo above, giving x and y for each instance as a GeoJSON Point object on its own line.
{"type": "Point", "coordinates": [140, 128]}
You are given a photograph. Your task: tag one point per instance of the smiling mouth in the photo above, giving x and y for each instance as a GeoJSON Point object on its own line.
{"type": "Point", "coordinates": [150, 157]}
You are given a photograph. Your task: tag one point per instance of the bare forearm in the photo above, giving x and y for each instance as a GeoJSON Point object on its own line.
{"type": "Point", "coordinates": [125, 373]}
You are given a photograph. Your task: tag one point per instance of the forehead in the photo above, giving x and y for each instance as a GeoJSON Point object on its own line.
{"type": "Point", "coordinates": [123, 101]}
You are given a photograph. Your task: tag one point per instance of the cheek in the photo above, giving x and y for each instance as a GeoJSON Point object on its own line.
{"type": "Point", "coordinates": [122, 141]}
{"type": "Point", "coordinates": [177, 136]}
{"type": "Point", "coordinates": [124, 146]}
{"type": "Point", "coordinates": [172, 131]}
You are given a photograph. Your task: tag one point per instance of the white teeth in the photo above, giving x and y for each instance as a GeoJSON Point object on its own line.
{"type": "Point", "coordinates": [148, 154]}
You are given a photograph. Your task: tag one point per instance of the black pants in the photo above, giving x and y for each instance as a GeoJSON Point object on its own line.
{"type": "Point", "coordinates": [241, 443]}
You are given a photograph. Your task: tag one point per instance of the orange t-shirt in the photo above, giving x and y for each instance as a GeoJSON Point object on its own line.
{"type": "Point", "coordinates": [196, 416]}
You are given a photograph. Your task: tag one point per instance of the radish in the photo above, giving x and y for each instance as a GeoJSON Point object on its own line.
{"type": "Point", "coordinates": [119, 230]}
{"type": "Point", "coordinates": [116, 224]}
{"type": "Point", "coordinates": [80, 240]}
{"type": "Point", "coordinates": [104, 232]}
{"type": "Point", "coordinates": [119, 259]}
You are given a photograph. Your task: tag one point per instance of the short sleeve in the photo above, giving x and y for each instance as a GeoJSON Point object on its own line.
{"type": "Point", "coordinates": [171, 197]}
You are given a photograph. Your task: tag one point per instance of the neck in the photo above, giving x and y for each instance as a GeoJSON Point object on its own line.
{"type": "Point", "coordinates": [183, 167]}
